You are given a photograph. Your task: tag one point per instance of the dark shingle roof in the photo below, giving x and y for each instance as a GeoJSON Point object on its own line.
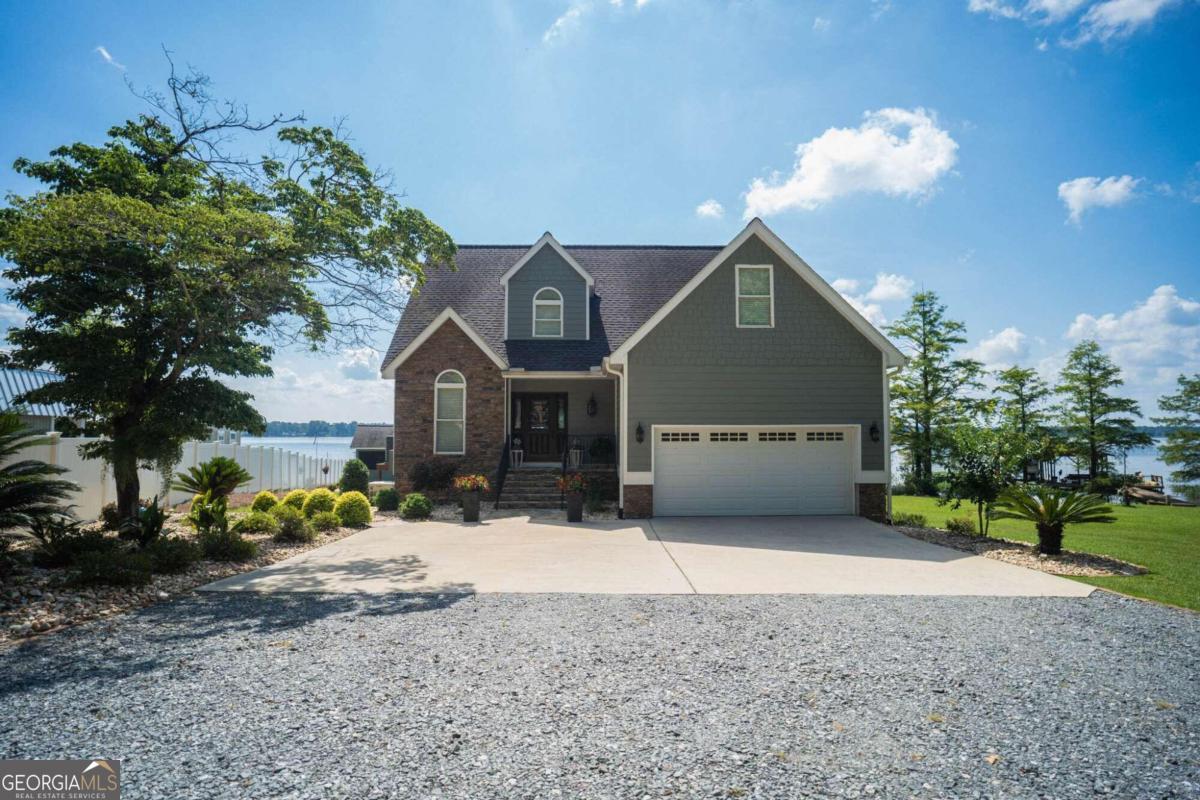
{"type": "Point", "coordinates": [631, 283]}
{"type": "Point", "coordinates": [370, 437]}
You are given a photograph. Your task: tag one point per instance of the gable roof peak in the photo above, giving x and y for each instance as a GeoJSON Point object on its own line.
{"type": "Point", "coordinates": [547, 240]}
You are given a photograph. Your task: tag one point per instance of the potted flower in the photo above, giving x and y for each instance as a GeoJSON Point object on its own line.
{"type": "Point", "coordinates": [573, 484]}
{"type": "Point", "coordinates": [471, 486]}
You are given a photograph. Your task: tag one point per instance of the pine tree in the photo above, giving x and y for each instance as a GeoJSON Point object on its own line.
{"type": "Point", "coordinates": [1097, 423]}
{"type": "Point", "coordinates": [1182, 447]}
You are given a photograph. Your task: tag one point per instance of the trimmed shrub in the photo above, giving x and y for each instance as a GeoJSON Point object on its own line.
{"type": "Point", "coordinates": [434, 474]}
{"type": "Point", "coordinates": [172, 554]}
{"type": "Point", "coordinates": [293, 527]}
{"type": "Point", "coordinates": [60, 540]}
{"type": "Point", "coordinates": [961, 525]}
{"type": "Point", "coordinates": [264, 501]}
{"type": "Point", "coordinates": [218, 545]}
{"type": "Point", "coordinates": [355, 477]}
{"type": "Point", "coordinates": [113, 567]}
{"type": "Point", "coordinates": [909, 520]}
{"type": "Point", "coordinates": [387, 499]}
{"type": "Point", "coordinates": [259, 521]}
{"type": "Point", "coordinates": [295, 499]}
{"type": "Point", "coordinates": [353, 509]}
{"type": "Point", "coordinates": [319, 500]}
{"type": "Point", "coordinates": [326, 521]}
{"type": "Point", "coordinates": [416, 506]}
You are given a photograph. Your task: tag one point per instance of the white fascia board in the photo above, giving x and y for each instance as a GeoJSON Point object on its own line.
{"type": "Point", "coordinates": [547, 240]}
{"type": "Point", "coordinates": [756, 227]}
{"type": "Point", "coordinates": [522, 374]}
{"type": "Point", "coordinates": [447, 315]}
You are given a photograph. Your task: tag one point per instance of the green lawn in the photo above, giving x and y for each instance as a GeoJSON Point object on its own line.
{"type": "Point", "coordinates": [1165, 540]}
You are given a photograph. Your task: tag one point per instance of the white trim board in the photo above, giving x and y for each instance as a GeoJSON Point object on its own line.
{"type": "Point", "coordinates": [547, 240]}
{"type": "Point", "coordinates": [447, 315]}
{"type": "Point", "coordinates": [892, 355]}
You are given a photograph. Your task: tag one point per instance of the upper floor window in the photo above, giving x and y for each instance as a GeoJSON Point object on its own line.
{"type": "Point", "coordinates": [755, 296]}
{"type": "Point", "coordinates": [548, 313]}
{"type": "Point", "coordinates": [450, 413]}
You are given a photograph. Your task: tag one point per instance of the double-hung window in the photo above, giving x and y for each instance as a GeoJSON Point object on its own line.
{"type": "Point", "coordinates": [548, 314]}
{"type": "Point", "coordinates": [755, 296]}
{"type": "Point", "coordinates": [450, 413]}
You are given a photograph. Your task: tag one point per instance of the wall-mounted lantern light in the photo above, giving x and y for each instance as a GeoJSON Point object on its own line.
{"type": "Point", "coordinates": [874, 432]}
{"type": "Point", "coordinates": [591, 406]}
{"type": "Point", "coordinates": [639, 434]}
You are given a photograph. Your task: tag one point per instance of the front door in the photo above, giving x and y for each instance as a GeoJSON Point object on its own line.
{"type": "Point", "coordinates": [540, 425]}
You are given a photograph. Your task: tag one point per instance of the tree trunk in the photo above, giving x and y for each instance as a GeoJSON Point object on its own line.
{"type": "Point", "coordinates": [1050, 539]}
{"type": "Point", "coordinates": [125, 473]}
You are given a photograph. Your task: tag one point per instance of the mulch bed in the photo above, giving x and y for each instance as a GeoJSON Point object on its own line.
{"type": "Point", "coordinates": [1025, 555]}
{"type": "Point", "coordinates": [43, 600]}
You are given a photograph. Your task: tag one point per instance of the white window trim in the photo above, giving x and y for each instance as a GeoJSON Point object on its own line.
{"type": "Point", "coordinates": [534, 320]}
{"type": "Point", "coordinates": [438, 385]}
{"type": "Point", "coordinates": [737, 294]}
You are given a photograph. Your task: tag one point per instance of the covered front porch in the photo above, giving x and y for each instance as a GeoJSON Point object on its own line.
{"type": "Point", "coordinates": [554, 420]}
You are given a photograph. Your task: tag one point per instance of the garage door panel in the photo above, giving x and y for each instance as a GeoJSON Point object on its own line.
{"type": "Point", "coordinates": [752, 472]}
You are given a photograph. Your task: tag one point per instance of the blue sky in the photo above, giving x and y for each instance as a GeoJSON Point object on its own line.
{"type": "Point", "coordinates": [1036, 162]}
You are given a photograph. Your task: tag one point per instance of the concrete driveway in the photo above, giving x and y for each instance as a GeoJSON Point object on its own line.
{"type": "Point", "coordinates": [674, 555]}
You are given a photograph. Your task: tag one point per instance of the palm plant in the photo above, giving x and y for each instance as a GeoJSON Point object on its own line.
{"type": "Point", "coordinates": [30, 490]}
{"type": "Point", "coordinates": [218, 478]}
{"type": "Point", "coordinates": [1050, 510]}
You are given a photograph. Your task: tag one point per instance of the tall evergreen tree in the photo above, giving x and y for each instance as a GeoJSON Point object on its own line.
{"type": "Point", "coordinates": [1096, 422]}
{"type": "Point", "coordinates": [1022, 394]}
{"type": "Point", "coordinates": [929, 394]}
{"type": "Point", "coordinates": [1182, 446]}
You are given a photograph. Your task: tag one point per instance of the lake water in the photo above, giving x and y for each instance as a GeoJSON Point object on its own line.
{"type": "Point", "coordinates": [1140, 459]}
{"type": "Point", "coordinates": [321, 447]}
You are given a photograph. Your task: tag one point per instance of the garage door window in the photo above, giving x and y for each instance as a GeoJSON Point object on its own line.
{"type": "Point", "coordinates": [825, 436]}
{"type": "Point", "coordinates": [727, 436]}
{"type": "Point", "coordinates": [755, 304]}
{"type": "Point", "coordinates": [777, 436]}
{"type": "Point", "coordinates": [680, 436]}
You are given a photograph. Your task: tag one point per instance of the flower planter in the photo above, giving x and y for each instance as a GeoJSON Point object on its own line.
{"type": "Point", "coordinates": [470, 505]}
{"type": "Point", "coordinates": [575, 507]}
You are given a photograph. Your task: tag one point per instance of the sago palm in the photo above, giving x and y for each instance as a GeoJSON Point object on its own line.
{"type": "Point", "coordinates": [218, 477]}
{"type": "Point", "coordinates": [1050, 510]}
{"type": "Point", "coordinates": [30, 490]}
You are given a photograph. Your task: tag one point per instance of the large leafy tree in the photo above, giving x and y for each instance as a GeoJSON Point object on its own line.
{"type": "Point", "coordinates": [1182, 446]}
{"type": "Point", "coordinates": [156, 263]}
{"type": "Point", "coordinates": [981, 461]}
{"type": "Point", "coordinates": [931, 392]}
{"type": "Point", "coordinates": [1097, 422]}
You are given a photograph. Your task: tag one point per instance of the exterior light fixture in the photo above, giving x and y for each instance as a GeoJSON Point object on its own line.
{"type": "Point", "coordinates": [874, 432]}
{"type": "Point", "coordinates": [591, 405]}
{"type": "Point", "coordinates": [640, 433]}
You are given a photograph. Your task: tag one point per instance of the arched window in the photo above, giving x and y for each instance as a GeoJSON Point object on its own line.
{"type": "Point", "coordinates": [548, 313]}
{"type": "Point", "coordinates": [450, 413]}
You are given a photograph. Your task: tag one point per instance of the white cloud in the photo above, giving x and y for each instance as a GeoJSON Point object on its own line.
{"type": "Point", "coordinates": [1054, 10]}
{"type": "Point", "coordinates": [897, 152]}
{"type": "Point", "coordinates": [994, 8]}
{"type": "Point", "coordinates": [710, 209]}
{"type": "Point", "coordinates": [108, 59]}
{"type": "Point", "coordinates": [821, 24]}
{"type": "Point", "coordinates": [312, 388]}
{"type": "Point", "coordinates": [887, 288]}
{"type": "Point", "coordinates": [1001, 349]}
{"type": "Point", "coordinates": [1116, 19]}
{"type": "Point", "coordinates": [1081, 194]}
{"type": "Point", "coordinates": [1042, 45]}
{"type": "Point", "coordinates": [359, 364]}
{"type": "Point", "coordinates": [1153, 342]}
{"type": "Point", "coordinates": [567, 22]}
{"type": "Point", "coordinates": [890, 287]}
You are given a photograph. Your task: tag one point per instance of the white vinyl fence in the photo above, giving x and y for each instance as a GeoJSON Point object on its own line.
{"type": "Point", "coordinates": [273, 468]}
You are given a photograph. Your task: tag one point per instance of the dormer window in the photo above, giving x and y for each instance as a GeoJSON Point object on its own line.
{"type": "Point", "coordinates": [548, 314]}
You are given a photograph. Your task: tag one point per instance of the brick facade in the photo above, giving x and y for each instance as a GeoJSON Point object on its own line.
{"type": "Point", "coordinates": [639, 502]}
{"type": "Point", "coordinates": [872, 501]}
{"type": "Point", "coordinates": [448, 348]}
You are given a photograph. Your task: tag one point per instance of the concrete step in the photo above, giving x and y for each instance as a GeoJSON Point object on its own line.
{"type": "Point", "coordinates": [506, 503]}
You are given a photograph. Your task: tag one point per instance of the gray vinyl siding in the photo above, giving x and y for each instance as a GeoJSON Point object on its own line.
{"type": "Point", "coordinates": [696, 367]}
{"type": "Point", "coordinates": [546, 268]}
{"type": "Point", "coordinates": [578, 391]}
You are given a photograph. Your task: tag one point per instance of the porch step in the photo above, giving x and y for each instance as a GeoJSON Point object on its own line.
{"type": "Point", "coordinates": [507, 503]}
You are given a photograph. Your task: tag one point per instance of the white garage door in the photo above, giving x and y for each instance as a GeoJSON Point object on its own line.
{"type": "Point", "coordinates": [752, 471]}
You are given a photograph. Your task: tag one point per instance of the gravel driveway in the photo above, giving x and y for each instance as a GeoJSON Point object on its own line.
{"type": "Point", "coordinates": [524, 696]}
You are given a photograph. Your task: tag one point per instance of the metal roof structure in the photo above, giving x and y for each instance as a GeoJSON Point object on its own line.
{"type": "Point", "coordinates": [16, 382]}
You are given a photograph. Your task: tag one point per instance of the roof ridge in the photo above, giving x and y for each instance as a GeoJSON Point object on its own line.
{"type": "Point", "coordinates": [717, 247]}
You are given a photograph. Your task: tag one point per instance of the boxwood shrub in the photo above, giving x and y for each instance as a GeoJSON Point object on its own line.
{"type": "Point", "coordinates": [387, 499]}
{"type": "Point", "coordinates": [319, 500]}
{"type": "Point", "coordinates": [326, 521]}
{"type": "Point", "coordinates": [220, 545]}
{"type": "Point", "coordinates": [115, 567]}
{"type": "Point", "coordinates": [295, 499]}
{"type": "Point", "coordinates": [264, 501]}
{"type": "Point", "coordinates": [170, 554]}
{"type": "Point", "coordinates": [416, 506]}
{"type": "Point", "coordinates": [353, 509]}
{"type": "Point", "coordinates": [259, 521]}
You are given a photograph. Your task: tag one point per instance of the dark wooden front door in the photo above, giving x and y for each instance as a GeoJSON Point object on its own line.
{"type": "Point", "coordinates": [540, 425]}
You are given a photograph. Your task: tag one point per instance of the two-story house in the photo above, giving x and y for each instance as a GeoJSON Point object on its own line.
{"type": "Point", "coordinates": [716, 380]}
